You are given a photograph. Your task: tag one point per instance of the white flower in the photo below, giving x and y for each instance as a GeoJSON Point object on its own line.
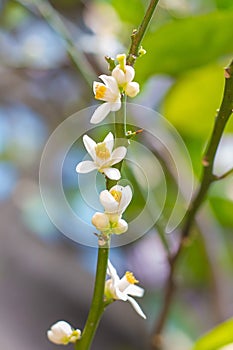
{"type": "Point", "coordinates": [103, 157]}
{"type": "Point", "coordinates": [121, 288]}
{"type": "Point", "coordinates": [124, 75]}
{"type": "Point", "coordinates": [62, 333]}
{"type": "Point", "coordinates": [109, 92]}
{"type": "Point", "coordinates": [116, 200]}
{"type": "Point", "coordinates": [110, 224]}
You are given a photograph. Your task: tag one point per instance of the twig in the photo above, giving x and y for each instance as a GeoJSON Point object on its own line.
{"type": "Point", "coordinates": [207, 179]}
{"type": "Point", "coordinates": [53, 18]}
{"type": "Point", "coordinates": [138, 34]}
{"type": "Point", "coordinates": [223, 176]}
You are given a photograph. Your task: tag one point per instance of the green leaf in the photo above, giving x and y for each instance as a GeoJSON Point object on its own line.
{"type": "Point", "coordinates": [186, 43]}
{"type": "Point", "coordinates": [192, 102]}
{"type": "Point", "coordinates": [131, 11]}
{"type": "Point", "coordinates": [217, 337]}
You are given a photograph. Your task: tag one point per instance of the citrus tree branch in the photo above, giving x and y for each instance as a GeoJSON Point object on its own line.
{"type": "Point", "coordinates": [207, 179]}
{"type": "Point", "coordinates": [97, 305]}
{"type": "Point", "coordinates": [138, 34]}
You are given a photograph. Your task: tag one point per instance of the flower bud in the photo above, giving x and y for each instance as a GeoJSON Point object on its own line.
{"type": "Point", "coordinates": [62, 333]}
{"type": "Point", "coordinates": [132, 89]}
{"type": "Point", "coordinates": [100, 221]}
{"type": "Point", "coordinates": [121, 227]}
{"type": "Point", "coordinates": [123, 76]}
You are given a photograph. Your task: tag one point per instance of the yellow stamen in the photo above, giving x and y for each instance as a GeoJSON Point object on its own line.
{"type": "Point", "coordinates": [102, 151]}
{"type": "Point", "coordinates": [122, 61]}
{"type": "Point", "coordinates": [116, 195]}
{"type": "Point", "coordinates": [130, 278]}
{"type": "Point", "coordinates": [100, 91]}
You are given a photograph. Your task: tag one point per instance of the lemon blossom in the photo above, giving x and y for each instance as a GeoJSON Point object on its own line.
{"type": "Point", "coordinates": [103, 157]}
{"type": "Point", "coordinates": [122, 288]}
{"type": "Point", "coordinates": [124, 75]}
{"type": "Point", "coordinates": [109, 224]}
{"type": "Point", "coordinates": [108, 92]}
{"type": "Point", "coordinates": [116, 200]}
{"type": "Point", "coordinates": [62, 333]}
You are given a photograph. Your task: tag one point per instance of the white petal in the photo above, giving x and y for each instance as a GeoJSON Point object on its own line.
{"type": "Point", "coordinates": [109, 140]}
{"type": "Point", "coordinates": [129, 74]}
{"type": "Point", "coordinates": [122, 227]}
{"type": "Point", "coordinates": [132, 89]}
{"type": "Point", "coordinates": [101, 112]}
{"type": "Point", "coordinates": [108, 202]}
{"type": "Point", "coordinates": [110, 82]}
{"type": "Point", "coordinates": [134, 290]}
{"type": "Point", "coordinates": [112, 173]}
{"type": "Point", "coordinates": [136, 307]}
{"type": "Point", "coordinates": [100, 221]}
{"type": "Point", "coordinates": [115, 106]}
{"type": "Point", "coordinates": [90, 146]}
{"type": "Point", "coordinates": [111, 271]}
{"type": "Point", "coordinates": [121, 295]}
{"type": "Point", "coordinates": [52, 337]}
{"type": "Point", "coordinates": [62, 328]}
{"type": "Point", "coordinates": [85, 167]}
{"type": "Point", "coordinates": [118, 154]}
{"type": "Point", "coordinates": [119, 75]}
{"type": "Point", "coordinates": [126, 197]}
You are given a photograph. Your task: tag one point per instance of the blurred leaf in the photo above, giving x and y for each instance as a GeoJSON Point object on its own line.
{"type": "Point", "coordinates": [131, 12]}
{"type": "Point", "coordinates": [217, 337]}
{"type": "Point", "coordinates": [13, 15]}
{"type": "Point", "coordinates": [186, 43]}
{"type": "Point", "coordinates": [194, 266]}
{"type": "Point", "coordinates": [223, 210]}
{"type": "Point", "coordinates": [224, 4]}
{"type": "Point", "coordinates": [192, 102]}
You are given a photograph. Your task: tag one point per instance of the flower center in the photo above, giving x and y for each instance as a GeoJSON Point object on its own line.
{"type": "Point", "coordinates": [116, 195]}
{"type": "Point", "coordinates": [102, 151]}
{"type": "Point", "coordinates": [100, 91]}
{"type": "Point", "coordinates": [130, 278]}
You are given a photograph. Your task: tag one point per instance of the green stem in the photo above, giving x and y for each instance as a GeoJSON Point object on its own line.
{"type": "Point", "coordinates": [207, 179]}
{"type": "Point", "coordinates": [97, 305]}
{"type": "Point", "coordinates": [138, 34]}
{"type": "Point", "coordinates": [54, 20]}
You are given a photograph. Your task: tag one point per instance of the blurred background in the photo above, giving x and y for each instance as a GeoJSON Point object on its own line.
{"type": "Point", "coordinates": [50, 54]}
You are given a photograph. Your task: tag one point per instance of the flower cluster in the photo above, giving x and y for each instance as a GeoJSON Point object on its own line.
{"type": "Point", "coordinates": [113, 86]}
{"type": "Point", "coordinates": [114, 201]}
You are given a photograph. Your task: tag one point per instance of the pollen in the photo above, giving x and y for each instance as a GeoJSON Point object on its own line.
{"type": "Point", "coordinates": [116, 195]}
{"type": "Point", "coordinates": [102, 151]}
{"type": "Point", "coordinates": [130, 278]}
{"type": "Point", "coordinates": [100, 91]}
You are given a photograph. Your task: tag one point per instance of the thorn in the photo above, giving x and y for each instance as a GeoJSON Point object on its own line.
{"type": "Point", "coordinates": [205, 162]}
{"type": "Point", "coordinates": [227, 73]}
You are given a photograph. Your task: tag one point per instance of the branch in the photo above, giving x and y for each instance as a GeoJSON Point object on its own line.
{"type": "Point", "coordinates": [138, 34]}
{"type": "Point", "coordinates": [223, 176]}
{"type": "Point", "coordinates": [97, 305]}
{"type": "Point", "coordinates": [207, 179]}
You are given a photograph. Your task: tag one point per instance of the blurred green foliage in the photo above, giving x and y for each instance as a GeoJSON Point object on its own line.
{"type": "Point", "coordinates": [217, 337]}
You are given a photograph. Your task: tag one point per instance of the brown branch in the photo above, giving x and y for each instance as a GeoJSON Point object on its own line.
{"type": "Point", "coordinates": [207, 179]}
